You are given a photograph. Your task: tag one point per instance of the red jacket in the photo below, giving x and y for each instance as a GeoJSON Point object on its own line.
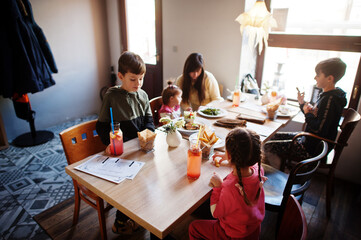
{"type": "Point", "coordinates": [236, 218]}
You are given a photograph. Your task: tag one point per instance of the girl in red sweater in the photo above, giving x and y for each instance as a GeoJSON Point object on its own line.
{"type": "Point", "coordinates": [237, 202]}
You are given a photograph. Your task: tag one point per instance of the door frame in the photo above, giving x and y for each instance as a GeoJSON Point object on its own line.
{"type": "Point", "coordinates": [159, 42]}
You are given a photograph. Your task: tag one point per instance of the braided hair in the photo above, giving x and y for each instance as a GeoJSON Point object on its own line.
{"type": "Point", "coordinates": [244, 147]}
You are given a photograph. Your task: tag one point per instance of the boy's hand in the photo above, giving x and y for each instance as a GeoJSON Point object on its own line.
{"type": "Point", "coordinates": [216, 180]}
{"type": "Point", "coordinates": [300, 96]}
{"type": "Point", "coordinates": [107, 151]}
{"type": "Point", "coordinates": [307, 108]}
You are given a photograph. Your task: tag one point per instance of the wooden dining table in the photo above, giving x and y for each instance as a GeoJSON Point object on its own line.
{"type": "Point", "coordinates": [161, 195]}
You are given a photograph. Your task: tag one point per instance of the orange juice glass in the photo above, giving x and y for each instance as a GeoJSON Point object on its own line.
{"type": "Point", "coordinates": [194, 160]}
{"type": "Point", "coordinates": [116, 140]}
{"type": "Point", "coordinates": [236, 97]}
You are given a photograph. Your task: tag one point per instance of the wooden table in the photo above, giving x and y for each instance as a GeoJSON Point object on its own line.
{"type": "Point", "coordinates": [250, 107]}
{"type": "Point", "coordinates": [161, 195]}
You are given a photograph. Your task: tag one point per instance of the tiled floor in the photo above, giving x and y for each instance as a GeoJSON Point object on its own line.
{"type": "Point", "coordinates": [32, 179]}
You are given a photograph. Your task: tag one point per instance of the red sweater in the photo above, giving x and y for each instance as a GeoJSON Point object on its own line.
{"type": "Point", "coordinates": [236, 218]}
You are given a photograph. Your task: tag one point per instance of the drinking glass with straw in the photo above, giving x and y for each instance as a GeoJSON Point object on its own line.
{"type": "Point", "coordinates": [116, 137]}
{"type": "Point", "coordinates": [194, 159]}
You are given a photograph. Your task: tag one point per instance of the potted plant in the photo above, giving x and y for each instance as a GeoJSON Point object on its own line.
{"type": "Point", "coordinates": [170, 128]}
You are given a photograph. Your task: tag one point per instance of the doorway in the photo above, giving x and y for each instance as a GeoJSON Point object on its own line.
{"type": "Point", "coordinates": [141, 33]}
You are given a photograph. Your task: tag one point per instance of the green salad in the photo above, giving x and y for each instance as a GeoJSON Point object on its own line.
{"type": "Point", "coordinates": [211, 111]}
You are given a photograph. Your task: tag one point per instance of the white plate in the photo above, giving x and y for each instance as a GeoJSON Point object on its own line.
{"type": "Point", "coordinates": [196, 120]}
{"type": "Point", "coordinates": [242, 99]}
{"type": "Point", "coordinates": [284, 111]}
{"type": "Point", "coordinates": [222, 113]}
{"type": "Point", "coordinates": [218, 144]}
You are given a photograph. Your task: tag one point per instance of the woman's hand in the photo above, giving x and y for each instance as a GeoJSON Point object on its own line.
{"type": "Point", "coordinates": [216, 180]}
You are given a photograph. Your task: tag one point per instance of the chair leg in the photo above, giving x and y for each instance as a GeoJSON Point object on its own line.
{"type": "Point", "coordinates": [329, 193]}
{"type": "Point", "coordinates": [101, 217]}
{"type": "Point", "coordinates": [76, 205]}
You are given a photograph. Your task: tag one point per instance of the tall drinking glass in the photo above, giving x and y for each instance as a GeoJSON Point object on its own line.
{"type": "Point", "coordinates": [236, 97]}
{"type": "Point", "coordinates": [116, 139]}
{"type": "Point", "coordinates": [194, 160]}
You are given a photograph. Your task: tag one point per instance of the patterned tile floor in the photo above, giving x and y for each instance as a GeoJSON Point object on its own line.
{"type": "Point", "coordinates": [32, 180]}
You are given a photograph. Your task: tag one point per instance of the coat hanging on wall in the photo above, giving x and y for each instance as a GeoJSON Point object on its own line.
{"type": "Point", "coordinates": [26, 60]}
{"type": "Point", "coordinates": [26, 64]}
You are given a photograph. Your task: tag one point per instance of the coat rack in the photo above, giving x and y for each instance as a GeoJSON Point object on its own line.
{"type": "Point", "coordinates": [23, 111]}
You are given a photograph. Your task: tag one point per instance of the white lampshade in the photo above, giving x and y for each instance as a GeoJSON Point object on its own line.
{"type": "Point", "coordinates": [256, 23]}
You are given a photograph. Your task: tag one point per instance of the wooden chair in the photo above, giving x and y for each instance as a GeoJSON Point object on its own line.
{"type": "Point", "coordinates": [351, 118]}
{"type": "Point", "coordinates": [79, 142]}
{"type": "Point", "coordinates": [155, 105]}
{"type": "Point", "coordinates": [280, 185]}
{"type": "Point", "coordinates": [293, 224]}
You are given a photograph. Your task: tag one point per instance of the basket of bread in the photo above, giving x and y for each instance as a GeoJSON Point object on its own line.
{"type": "Point", "coordinates": [146, 139]}
{"type": "Point", "coordinates": [272, 109]}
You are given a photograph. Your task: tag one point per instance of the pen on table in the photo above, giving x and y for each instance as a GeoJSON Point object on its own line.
{"type": "Point", "coordinates": [105, 160]}
{"type": "Point", "coordinates": [117, 160]}
{"type": "Point", "coordinates": [131, 164]}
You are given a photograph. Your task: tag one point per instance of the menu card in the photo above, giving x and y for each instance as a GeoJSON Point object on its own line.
{"type": "Point", "coordinates": [111, 168]}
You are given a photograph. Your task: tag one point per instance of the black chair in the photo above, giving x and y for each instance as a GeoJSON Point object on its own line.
{"type": "Point", "coordinates": [351, 118]}
{"type": "Point", "coordinates": [280, 185]}
{"type": "Point", "coordinates": [293, 225]}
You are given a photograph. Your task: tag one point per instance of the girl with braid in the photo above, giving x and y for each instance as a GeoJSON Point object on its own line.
{"type": "Point", "coordinates": [237, 202]}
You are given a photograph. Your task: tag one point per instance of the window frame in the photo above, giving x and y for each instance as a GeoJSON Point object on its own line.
{"type": "Point", "coordinates": [315, 42]}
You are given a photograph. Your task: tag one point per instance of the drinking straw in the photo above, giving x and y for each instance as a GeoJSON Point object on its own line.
{"type": "Point", "coordinates": [199, 134]}
{"type": "Point", "coordinates": [112, 124]}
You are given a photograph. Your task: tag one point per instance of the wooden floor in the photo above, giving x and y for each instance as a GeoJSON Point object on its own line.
{"type": "Point", "coordinates": [345, 221]}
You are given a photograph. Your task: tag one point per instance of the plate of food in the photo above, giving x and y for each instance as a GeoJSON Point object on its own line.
{"type": "Point", "coordinates": [284, 111]}
{"type": "Point", "coordinates": [211, 112]}
{"type": "Point", "coordinates": [192, 127]}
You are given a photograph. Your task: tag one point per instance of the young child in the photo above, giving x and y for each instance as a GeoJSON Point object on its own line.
{"type": "Point", "coordinates": [130, 106]}
{"type": "Point", "coordinates": [238, 202]}
{"type": "Point", "coordinates": [172, 97]}
{"type": "Point", "coordinates": [321, 119]}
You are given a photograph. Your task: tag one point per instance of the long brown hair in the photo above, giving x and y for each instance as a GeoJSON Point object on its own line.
{"type": "Point", "coordinates": [193, 63]}
{"type": "Point", "coordinates": [244, 147]}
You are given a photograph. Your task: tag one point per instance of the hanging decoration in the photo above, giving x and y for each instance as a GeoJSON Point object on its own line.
{"type": "Point", "coordinates": [256, 24]}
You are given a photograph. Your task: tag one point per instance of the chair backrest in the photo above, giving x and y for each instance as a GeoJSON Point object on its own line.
{"type": "Point", "coordinates": [351, 119]}
{"type": "Point", "coordinates": [81, 141]}
{"type": "Point", "coordinates": [293, 224]}
{"type": "Point", "coordinates": [155, 105]}
{"type": "Point", "coordinates": [300, 176]}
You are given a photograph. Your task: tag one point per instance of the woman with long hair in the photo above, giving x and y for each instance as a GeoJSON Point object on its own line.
{"type": "Point", "coordinates": [199, 87]}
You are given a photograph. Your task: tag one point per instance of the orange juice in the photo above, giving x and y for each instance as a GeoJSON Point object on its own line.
{"type": "Point", "coordinates": [116, 140]}
{"type": "Point", "coordinates": [236, 98]}
{"type": "Point", "coordinates": [194, 161]}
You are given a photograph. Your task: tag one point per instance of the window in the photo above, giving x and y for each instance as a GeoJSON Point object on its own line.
{"type": "Point", "coordinates": [306, 35]}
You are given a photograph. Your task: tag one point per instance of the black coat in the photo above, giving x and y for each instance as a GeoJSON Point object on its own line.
{"type": "Point", "coordinates": [26, 61]}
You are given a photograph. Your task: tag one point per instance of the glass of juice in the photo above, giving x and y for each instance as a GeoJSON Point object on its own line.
{"type": "Point", "coordinates": [194, 160]}
{"type": "Point", "coordinates": [236, 97]}
{"type": "Point", "coordinates": [116, 139]}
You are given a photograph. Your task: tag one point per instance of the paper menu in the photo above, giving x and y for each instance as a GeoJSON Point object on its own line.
{"type": "Point", "coordinates": [110, 168]}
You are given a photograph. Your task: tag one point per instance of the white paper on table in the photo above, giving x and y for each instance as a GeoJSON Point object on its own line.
{"type": "Point", "coordinates": [111, 168]}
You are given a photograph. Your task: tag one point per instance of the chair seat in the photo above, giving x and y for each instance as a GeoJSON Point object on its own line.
{"type": "Point", "coordinates": [275, 186]}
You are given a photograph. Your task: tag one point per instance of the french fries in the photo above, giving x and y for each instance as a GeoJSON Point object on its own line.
{"type": "Point", "coordinates": [207, 137]}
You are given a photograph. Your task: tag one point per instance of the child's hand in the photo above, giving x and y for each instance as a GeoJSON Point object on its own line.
{"type": "Point", "coordinates": [107, 151]}
{"type": "Point", "coordinates": [220, 155]}
{"type": "Point", "coordinates": [216, 180]}
{"type": "Point", "coordinates": [300, 96]}
{"type": "Point", "coordinates": [308, 108]}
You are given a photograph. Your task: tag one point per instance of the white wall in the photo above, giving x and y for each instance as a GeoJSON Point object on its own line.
{"type": "Point", "coordinates": [207, 27]}
{"type": "Point", "coordinates": [78, 37]}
